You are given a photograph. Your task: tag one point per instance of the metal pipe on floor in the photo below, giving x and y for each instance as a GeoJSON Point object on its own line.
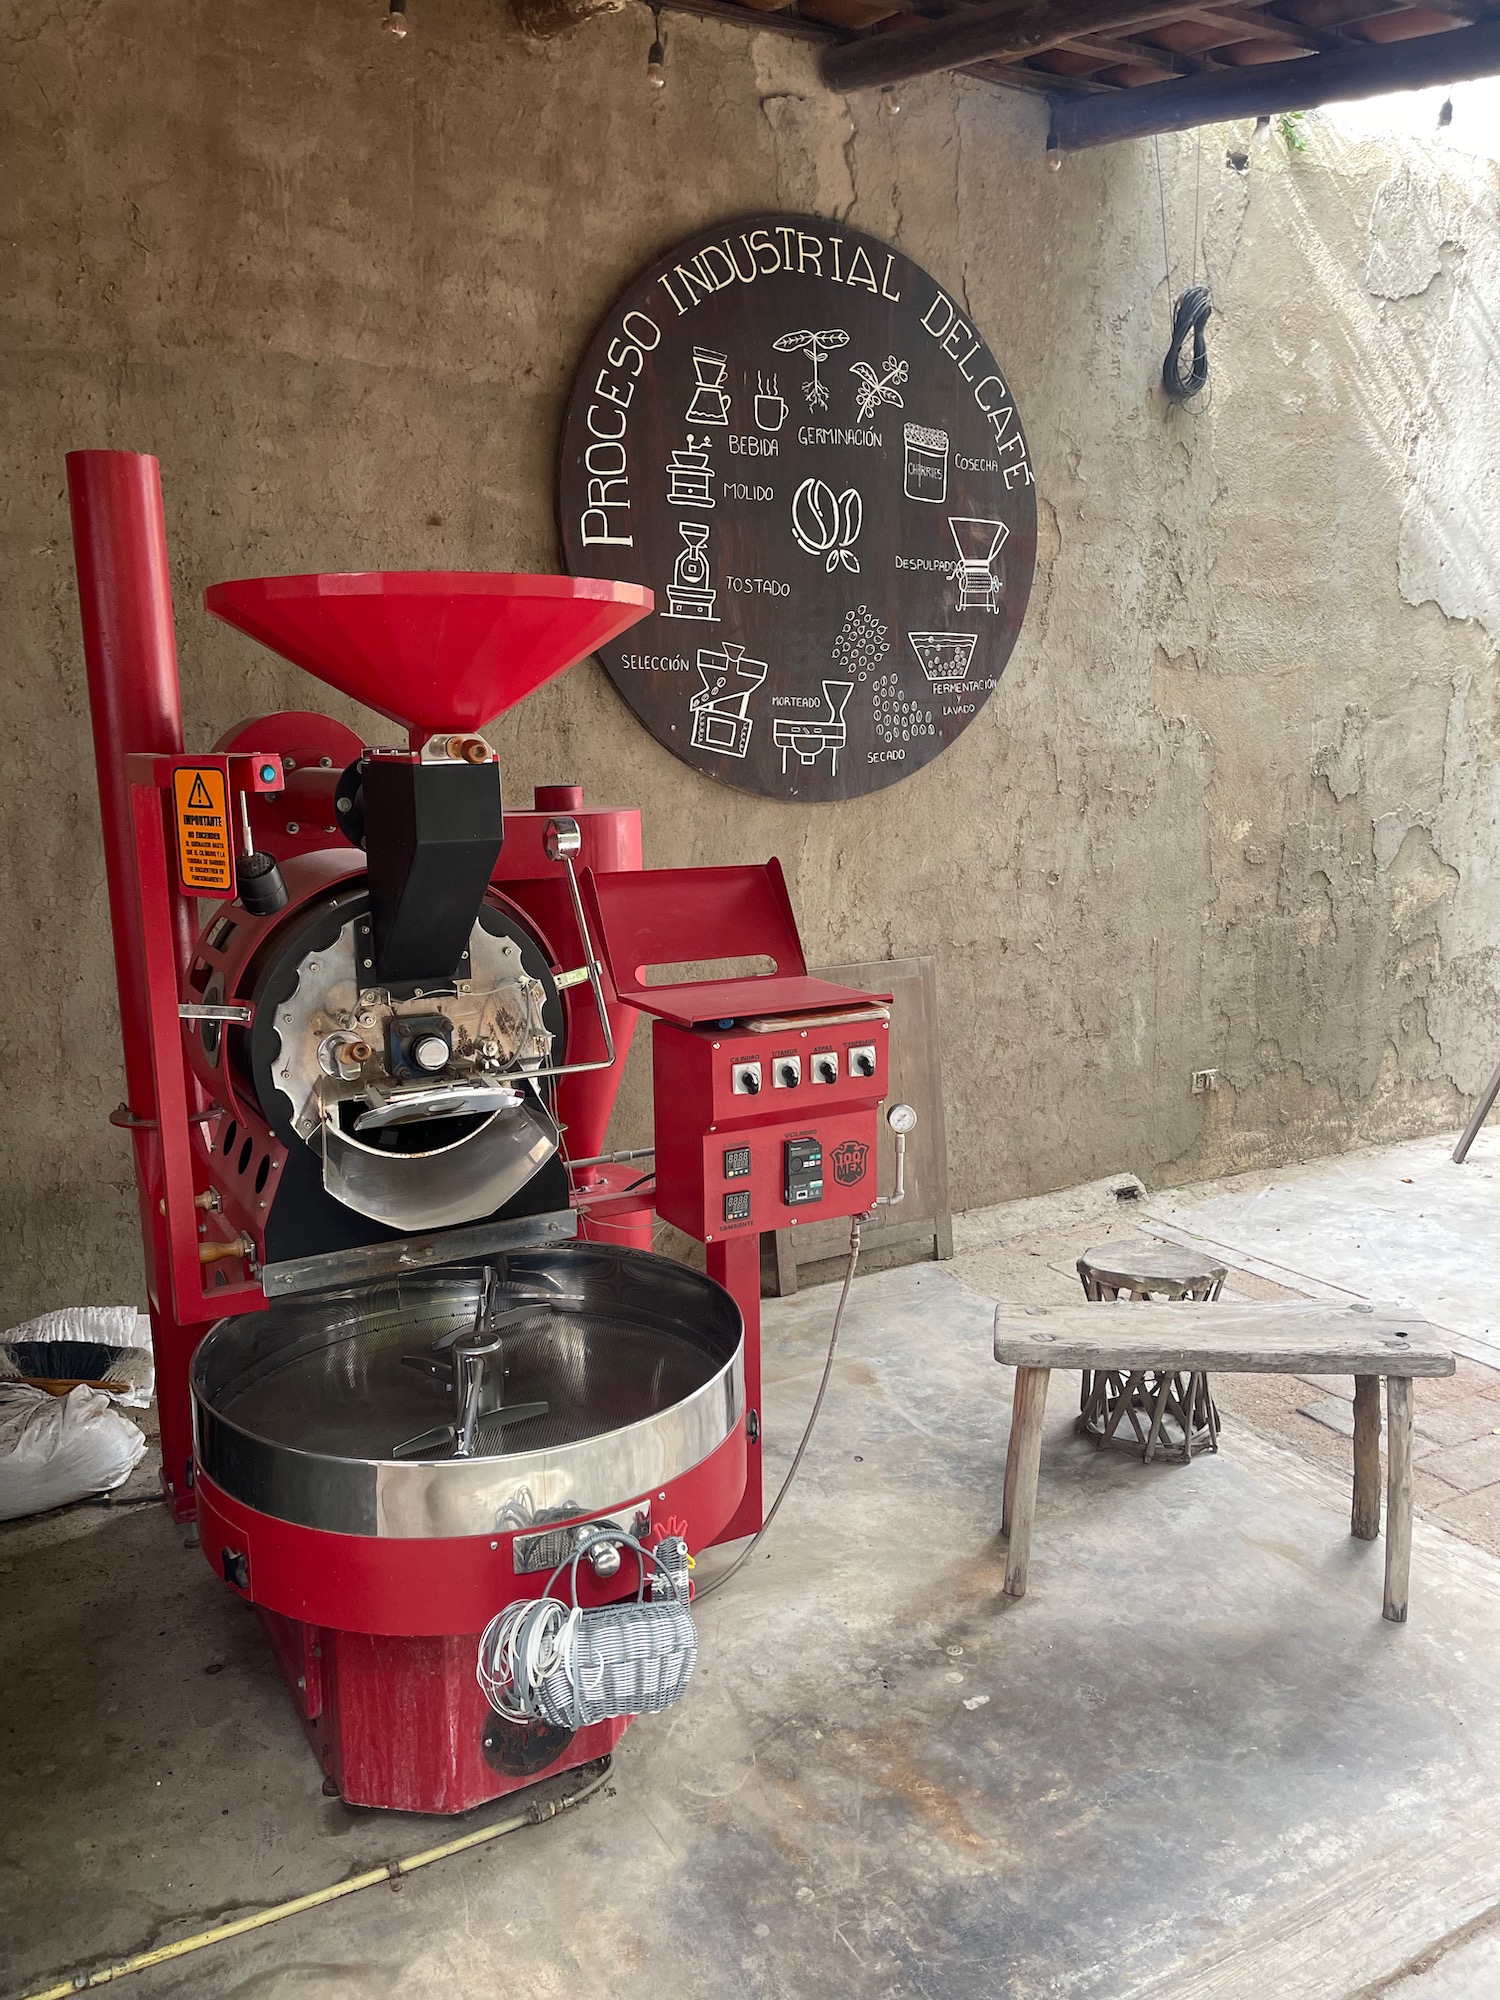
{"type": "Point", "coordinates": [390, 1872]}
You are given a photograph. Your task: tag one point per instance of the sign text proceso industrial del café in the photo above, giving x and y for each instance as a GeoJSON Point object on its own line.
{"type": "Point", "coordinates": [796, 438]}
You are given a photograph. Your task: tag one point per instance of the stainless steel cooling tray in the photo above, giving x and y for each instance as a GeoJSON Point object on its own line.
{"type": "Point", "coordinates": [637, 1362]}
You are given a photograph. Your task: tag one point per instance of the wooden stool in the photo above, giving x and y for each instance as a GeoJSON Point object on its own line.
{"type": "Point", "coordinates": [1367, 1342]}
{"type": "Point", "coordinates": [1173, 1414]}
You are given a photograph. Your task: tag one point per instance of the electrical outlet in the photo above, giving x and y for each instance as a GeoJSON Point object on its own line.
{"type": "Point", "coordinates": [1205, 1079]}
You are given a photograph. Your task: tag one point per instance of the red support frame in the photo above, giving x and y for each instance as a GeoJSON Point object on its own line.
{"type": "Point", "coordinates": [178, 1103]}
{"type": "Point", "coordinates": [734, 1263]}
{"type": "Point", "coordinates": [181, 1305]}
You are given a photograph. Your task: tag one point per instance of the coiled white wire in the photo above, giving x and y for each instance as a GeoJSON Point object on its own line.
{"type": "Point", "coordinates": [527, 1641]}
{"type": "Point", "coordinates": [543, 1657]}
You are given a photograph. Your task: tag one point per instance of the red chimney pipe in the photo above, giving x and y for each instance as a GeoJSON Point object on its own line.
{"type": "Point", "coordinates": [125, 601]}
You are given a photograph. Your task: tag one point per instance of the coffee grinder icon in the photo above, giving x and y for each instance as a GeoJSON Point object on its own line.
{"type": "Point", "coordinates": [710, 404]}
{"type": "Point", "coordinates": [690, 594]}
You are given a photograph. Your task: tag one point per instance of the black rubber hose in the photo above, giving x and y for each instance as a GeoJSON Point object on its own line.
{"type": "Point", "coordinates": [1191, 317]}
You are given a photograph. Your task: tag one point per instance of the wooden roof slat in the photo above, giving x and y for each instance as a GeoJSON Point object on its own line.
{"type": "Point", "coordinates": [1253, 65]}
{"type": "Point", "coordinates": [1110, 50]}
{"type": "Point", "coordinates": [1263, 28]}
{"type": "Point", "coordinates": [1335, 14]}
{"type": "Point", "coordinates": [784, 21]}
{"type": "Point", "coordinates": [1249, 54]}
{"type": "Point", "coordinates": [1190, 38]}
{"type": "Point", "coordinates": [1357, 70]}
{"type": "Point", "coordinates": [1016, 76]}
{"type": "Point", "coordinates": [1411, 24]}
{"type": "Point", "coordinates": [850, 13]}
{"type": "Point", "coordinates": [1131, 76]}
{"type": "Point", "coordinates": [998, 33]}
{"type": "Point", "coordinates": [1068, 63]}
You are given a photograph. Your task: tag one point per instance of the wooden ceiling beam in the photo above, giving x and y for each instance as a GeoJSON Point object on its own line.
{"type": "Point", "coordinates": [1355, 71]}
{"type": "Point", "coordinates": [998, 33]}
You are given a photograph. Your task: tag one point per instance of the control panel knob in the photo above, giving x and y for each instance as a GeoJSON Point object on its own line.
{"type": "Point", "coordinates": [862, 1062]}
{"type": "Point", "coordinates": [826, 1069]}
{"type": "Point", "coordinates": [751, 1082]}
{"type": "Point", "coordinates": [430, 1052]}
{"type": "Point", "coordinates": [788, 1072]}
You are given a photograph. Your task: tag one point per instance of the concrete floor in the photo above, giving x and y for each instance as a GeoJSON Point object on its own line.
{"type": "Point", "coordinates": [1398, 1223]}
{"type": "Point", "coordinates": [1193, 1764]}
{"type": "Point", "coordinates": [1027, 1251]}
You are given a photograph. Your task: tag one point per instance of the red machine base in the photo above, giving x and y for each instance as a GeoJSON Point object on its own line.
{"type": "Point", "coordinates": [401, 1722]}
{"type": "Point", "coordinates": [397, 1719]}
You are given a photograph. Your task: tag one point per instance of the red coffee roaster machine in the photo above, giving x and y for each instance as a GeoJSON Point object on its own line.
{"type": "Point", "coordinates": [413, 1346]}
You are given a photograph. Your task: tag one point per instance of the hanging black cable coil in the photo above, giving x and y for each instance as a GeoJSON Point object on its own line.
{"type": "Point", "coordinates": [1191, 317]}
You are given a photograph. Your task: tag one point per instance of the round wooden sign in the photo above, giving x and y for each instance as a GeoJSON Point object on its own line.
{"type": "Point", "coordinates": [795, 437]}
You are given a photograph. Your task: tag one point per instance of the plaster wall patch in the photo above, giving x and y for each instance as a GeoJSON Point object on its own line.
{"type": "Point", "coordinates": [1407, 233]}
{"type": "Point", "coordinates": [1450, 523]}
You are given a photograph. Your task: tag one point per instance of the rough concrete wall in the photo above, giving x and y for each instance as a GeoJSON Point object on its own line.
{"type": "Point", "coordinates": [1234, 803]}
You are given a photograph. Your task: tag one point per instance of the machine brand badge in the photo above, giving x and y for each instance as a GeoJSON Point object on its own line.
{"type": "Point", "coordinates": [200, 796]}
{"type": "Point", "coordinates": [850, 1158]}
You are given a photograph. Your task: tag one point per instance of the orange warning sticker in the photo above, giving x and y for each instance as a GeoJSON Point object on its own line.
{"type": "Point", "coordinates": [205, 858]}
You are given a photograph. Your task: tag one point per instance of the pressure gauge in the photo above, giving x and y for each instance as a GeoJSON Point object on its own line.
{"type": "Point", "coordinates": [901, 1118]}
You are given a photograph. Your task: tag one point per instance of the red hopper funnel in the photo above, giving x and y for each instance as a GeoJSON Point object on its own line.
{"type": "Point", "coordinates": [432, 649]}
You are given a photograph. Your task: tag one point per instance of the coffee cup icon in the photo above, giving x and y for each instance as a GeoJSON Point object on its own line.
{"type": "Point", "coordinates": [770, 405]}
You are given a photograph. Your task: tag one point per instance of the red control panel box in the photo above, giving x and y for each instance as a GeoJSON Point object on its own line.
{"type": "Point", "coordinates": [767, 1124]}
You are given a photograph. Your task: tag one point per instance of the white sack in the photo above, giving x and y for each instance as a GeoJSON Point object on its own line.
{"type": "Point", "coordinates": [55, 1449]}
{"type": "Point", "coordinates": [111, 1326]}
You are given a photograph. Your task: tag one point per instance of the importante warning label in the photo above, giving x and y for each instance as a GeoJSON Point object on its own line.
{"type": "Point", "coordinates": [205, 858]}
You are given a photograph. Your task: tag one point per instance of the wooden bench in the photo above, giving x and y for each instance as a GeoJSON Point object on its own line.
{"type": "Point", "coordinates": [1363, 1341]}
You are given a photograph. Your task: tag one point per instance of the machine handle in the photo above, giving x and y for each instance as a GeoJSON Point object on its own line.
{"type": "Point", "coordinates": [562, 841]}
{"type": "Point", "coordinates": [212, 1253]}
{"type": "Point", "coordinates": [239, 1012]}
